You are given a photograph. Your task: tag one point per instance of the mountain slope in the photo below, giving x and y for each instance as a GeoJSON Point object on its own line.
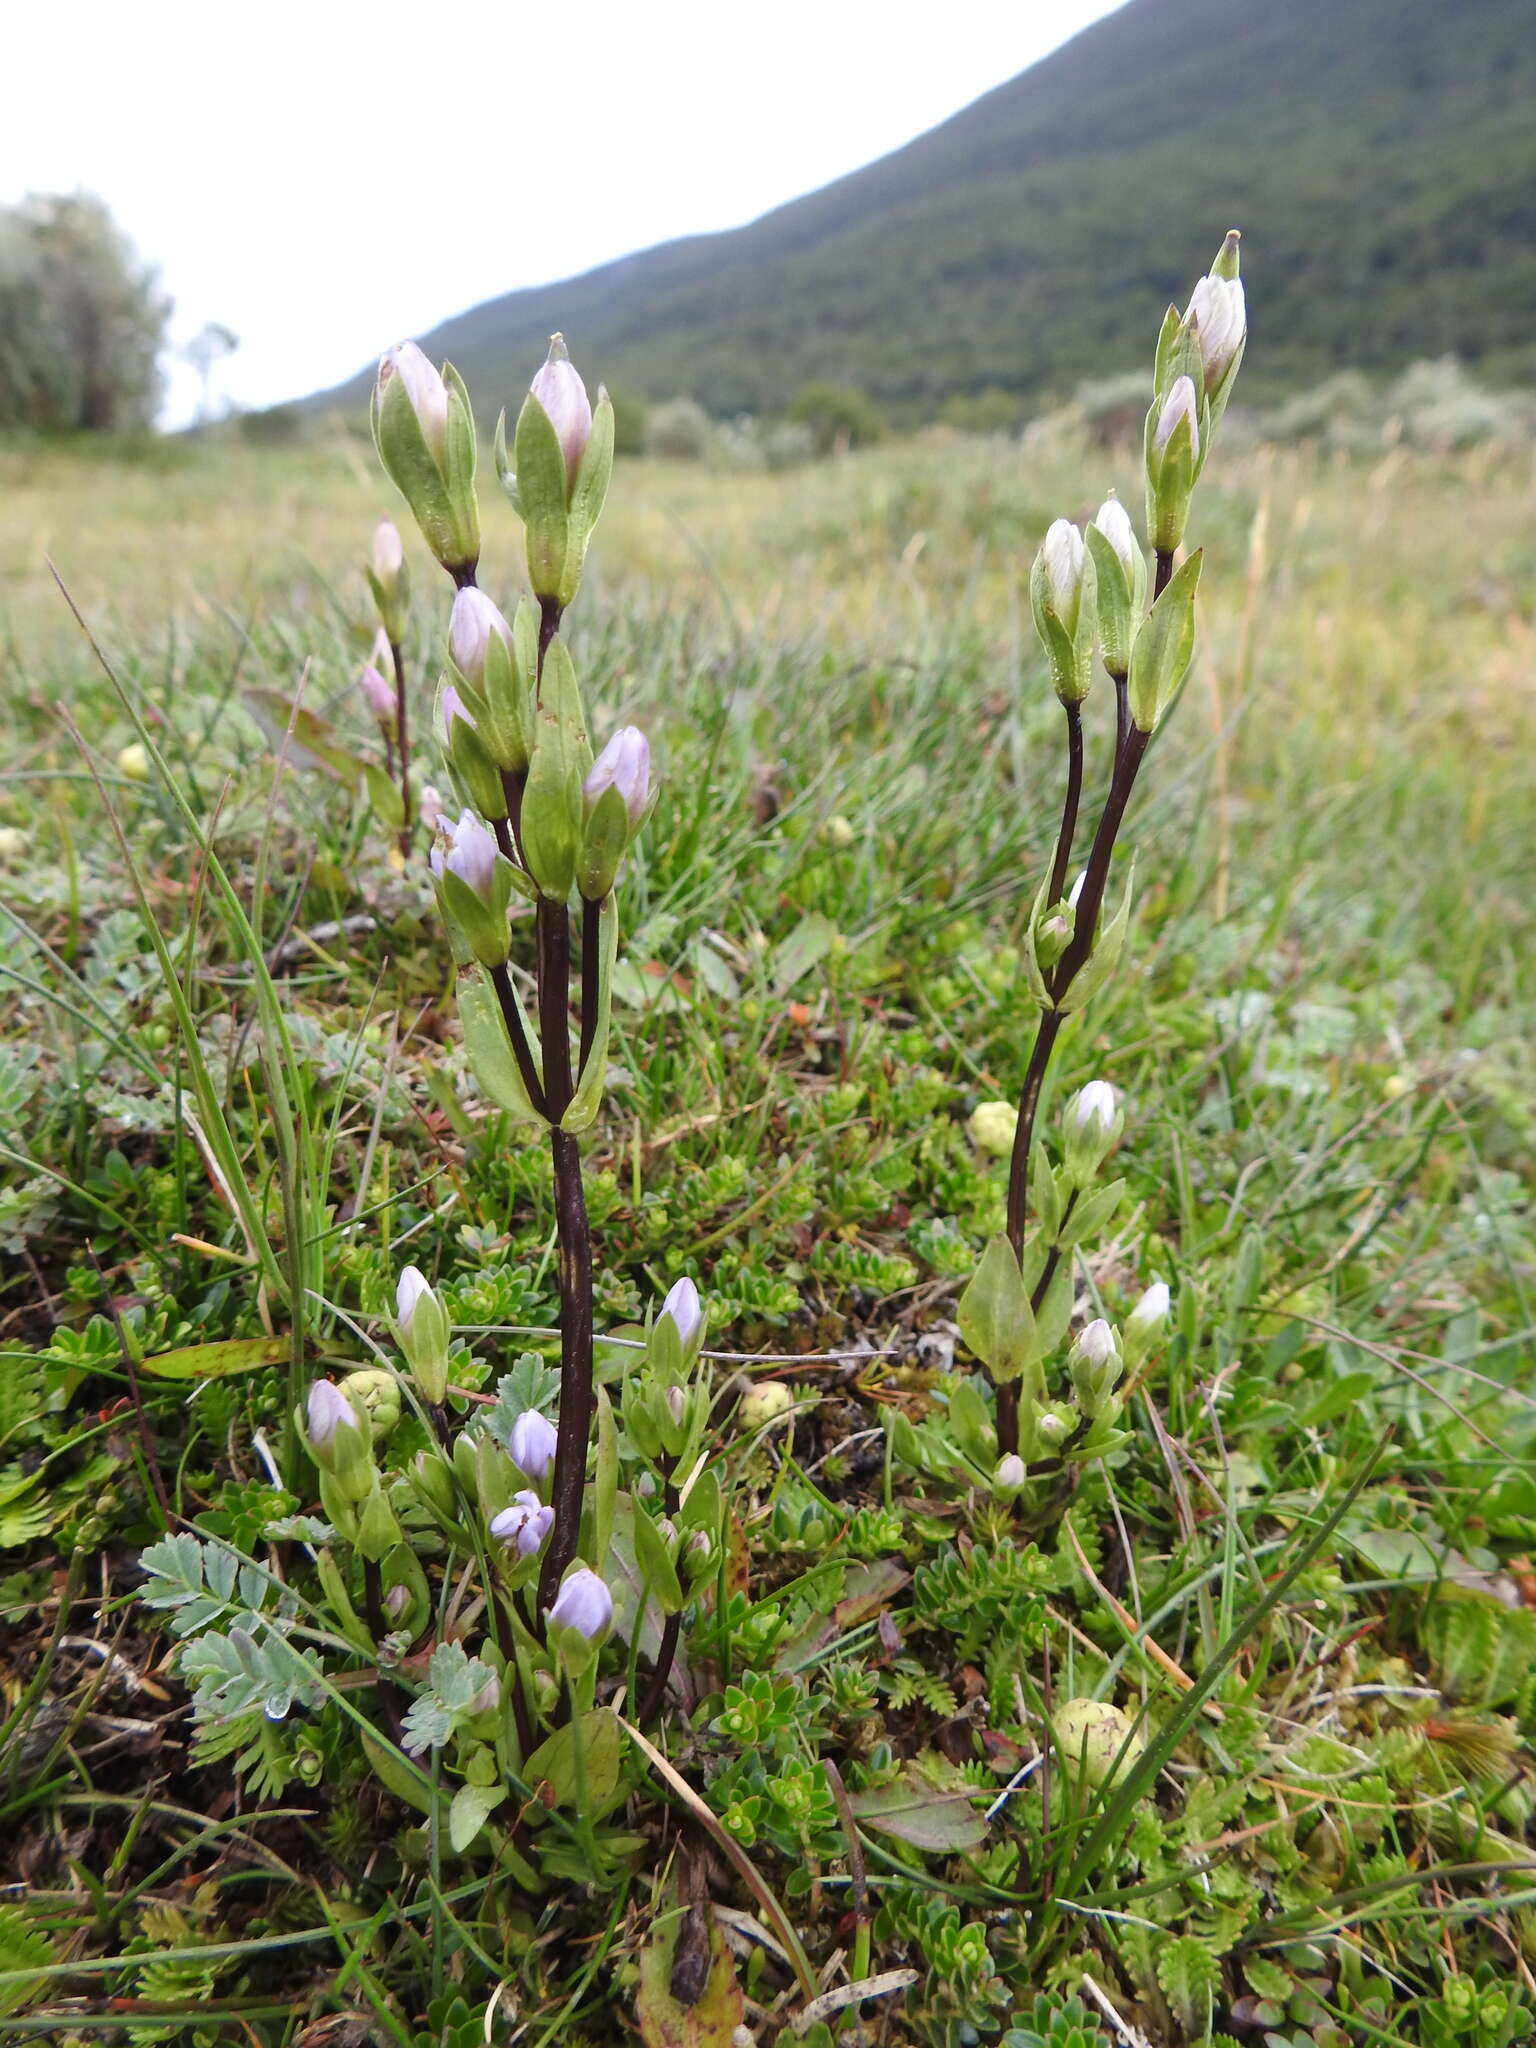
{"type": "Point", "coordinates": [1380, 157]}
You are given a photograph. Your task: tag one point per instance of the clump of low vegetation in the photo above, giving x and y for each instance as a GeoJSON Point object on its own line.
{"type": "Point", "coordinates": [676, 1361]}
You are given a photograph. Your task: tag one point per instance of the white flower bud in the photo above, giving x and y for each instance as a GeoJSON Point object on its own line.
{"type": "Point", "coordinates": [1096, 1342]}
{"type": "Point", "coordinates": [425, 389]}
{"type": "Point", "coordinates": [1114, 522]}
{"type": "Point", "coordinates": [409, 1291]}
{"type": "Point", "coordinates": [1093, 1106]}
{"type": "Point", "coordinates": [1181, 403]}
{"type": "Point", "coordinates": [388, 552]}
{"type": "Point", "coordinates": [1151, 1311]}
{"type": "Point", "coordinates": [1009, 1477]}
{"type": "Point", "coordinates": [624, 765]}
{"type": "Point", "coordinates": [563, 396]}
{"type": "Point", "coordinates": [1220, 313]}
{"type": "Point", "coordinates": [472, 622]}
{"type": "Point", "coordinates": [1064, 553]}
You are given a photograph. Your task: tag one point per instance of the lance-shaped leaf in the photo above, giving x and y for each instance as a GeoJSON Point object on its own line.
{"type": "Point", "coordinates": [1165, 647]}
{"type": "Point", "coordinates": [490, 1049]}
{"type": "Point", "coordinates": [995, 1317]}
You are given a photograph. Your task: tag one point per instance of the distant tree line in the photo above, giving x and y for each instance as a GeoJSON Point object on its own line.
{"type": "Point", "coordinates": [82, 320]}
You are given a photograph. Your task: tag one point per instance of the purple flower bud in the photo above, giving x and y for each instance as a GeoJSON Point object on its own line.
{"type": "Point", "coordinates": [677, 1404]}
{"type": "Point", "coordinates": [683, 1306]}
{"type": "Point", "coordinates": [381, 655]}
{"type": "Point", "coordinates": [381, 698]}
{"type": "Point", "coordinates": [431, 806]}
{"type": "Point", "coordinates": [1114, 522]}
{"type": "Point", "coordinates": [624, 765]}
{"type": "Point", "coordinates": [563, 396]}
{"type": "Point", "coordinates": [396, 1601]}
{"type": "Point", "coordinates": [532, 1444]}
{"type": "Point", "coordinates": [328, 1410]}
{"type": "Point", "coordinates": [1220, 313]}
{"type": "Point", "coordinates": [388, 553]}
{"type": "Point", "coordinates": [488, 1698]}
{"type": "Point", "coordinates": [584, 1604]}
{"type": "Point", "coordinates": [470, 626]}
{"type": "Point", "coordinates": [1180, 404]}
{"type": "Point", "coordinates": [454, 707]}
{"type": "Point", "coordinates": [426, 391]}
{"type": "Point", "coordinates": [409, 1289]}
{"type": "Point", "coordinates": [526, 1523]}
{"type": "Point", "coordinates": [1010, 1475]}
{"type": "Point", "coordinates": [471, 855]}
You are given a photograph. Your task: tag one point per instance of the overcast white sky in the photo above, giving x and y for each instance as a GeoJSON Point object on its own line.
{"type": "Point", "coordinates": [327, 178]}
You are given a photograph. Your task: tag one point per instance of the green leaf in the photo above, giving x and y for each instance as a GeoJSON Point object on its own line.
{"type": "Point", "coordinates": [588, 1098]}
{"type": "Point", "coordinates": [716, 2008]}
{"type": "Point", "coordinates": [541, 496]}
{"type": "Point", "coordinates": [216, 1361]}
{"type": "Point", "coordinates": [995, 1317]}
{"type": "Point", "coordinates": [554, 1763]}
{"type": "Point", "coordinates": [938, 1818]}
{"type": "Point", "coordinates": [472, 1804]}
{"type": "Point", "coordinates": [805, 947]}
{"type": "Point", "coordinates": [1164, 647]}
{"type": "Point", "coordinates": [552, 803]}
{"type": "Point", "coordinates": [656, 1567]}
{"type": "Point", "coordinates": [490, 1049]}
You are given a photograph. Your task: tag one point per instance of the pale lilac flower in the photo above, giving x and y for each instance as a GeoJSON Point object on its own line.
{"type": "Point", "coordinates": [380, 697]}
{"type": "Point", "coordinates": [409, 1289]}
{"type": "Point", "coordinates": [426, 391]}
{"type": "Point", "coordinates": [683, 1306]}
{"type": "Point", "coordinates": [454, 707]}
{"type": "Point", "coordinates": [470, 625]}
{"type": "Point", "coordinates": [328, 1410]}
{"type": "Point", "coordinates": [470, 854]}
{"type": "Point", "coordinates": [1181, 403]}
{"type": "Point", "coordinates": [584, 1604]}
{"type": "Point", "coordinates": [525, 1523]}
{"type": "Point", "coordinates": [624, 765]}
{"type": "Point", "coordinates": [396, 1601]}
{"type": "Point", "coordinates": [431, 807]}
{"type": "Point", "coordinates": [563, 396]}
{"type": "Point", "coordinates": [532, 1444]}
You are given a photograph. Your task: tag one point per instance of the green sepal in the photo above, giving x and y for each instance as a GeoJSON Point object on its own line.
{"type": "Point", "coordinates": [1068, 649]}
{"type": "Point", "coordinates": [605, 1484]}
{"type": "Point", "coordinates": [1104, 958]}
{"type": "Point", "coordinates": [474, 771]}
{"type": "Point", "coordinates": [995, 1317]}
{"type": "Point", "coordinates": [588, 1096]}
{"type": "Point", "coordinates": [1055, 1311]}
{"type": "Point", "coordinates": [542, 499]}
{"type": "Point", "coordinates": [1171, 477]}
{"type": "Point", "coordinates": [392, 601]}
{"type": "Point", "coordinates": [640, 1424]}
{"type": "Point", "coordinates": [505, 473]}
{"type": "Point", "coordinates": [1045, 1191]}
{"type": "Point", "coordinates": [501, 705]}
{"type": "Point", "coordinates": [1089, 1215]}
{"type": "Point", "coordinates": [657, 1571]}
{"type": "Point", "coordinates": [1164, 647]}
{"type": "Point", "coordinates": [704, 1505]}
{"type": "Point", "coordinates": [411, 467]}
{"type": "Point", "coordinates": [1034, 968]}
{"type": "Point", "coordinates": [1120, 599]}
{"type": "Point", "coordinates": [604, 837]}
{"type": "Point", "coordinates": [460, 454]}
{"type": "Point", "coordinates": [339, 1601]}
{"type": "Point", "coordinates": [970, 1420]}
{"type": "Point", "coordinates": [377, 1529]}
{"type": "Point", "coordinates": [483, 924]}
{"type": "Point", "coordinates": [1167, 342]}
{"type": "Point", "coordinates": [490, 1049]}
{"type": "Point", "coordinates": [402, 1567]}
{"type": "Point", "coordinates": [552, 801]}
{"type": "Point", "coordinates": [1218, 397]}
{"type": "Point", "coordinates": [587, 495]}
{"type": "Point", "coordinates": [425, 1345]}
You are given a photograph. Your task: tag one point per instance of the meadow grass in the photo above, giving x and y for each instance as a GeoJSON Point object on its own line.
{"type": "Point", "coordinates": [235, 1104]}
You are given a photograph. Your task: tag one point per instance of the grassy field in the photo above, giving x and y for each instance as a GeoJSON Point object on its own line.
{"type": "Point", "coordinates": [1323, 1032]}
